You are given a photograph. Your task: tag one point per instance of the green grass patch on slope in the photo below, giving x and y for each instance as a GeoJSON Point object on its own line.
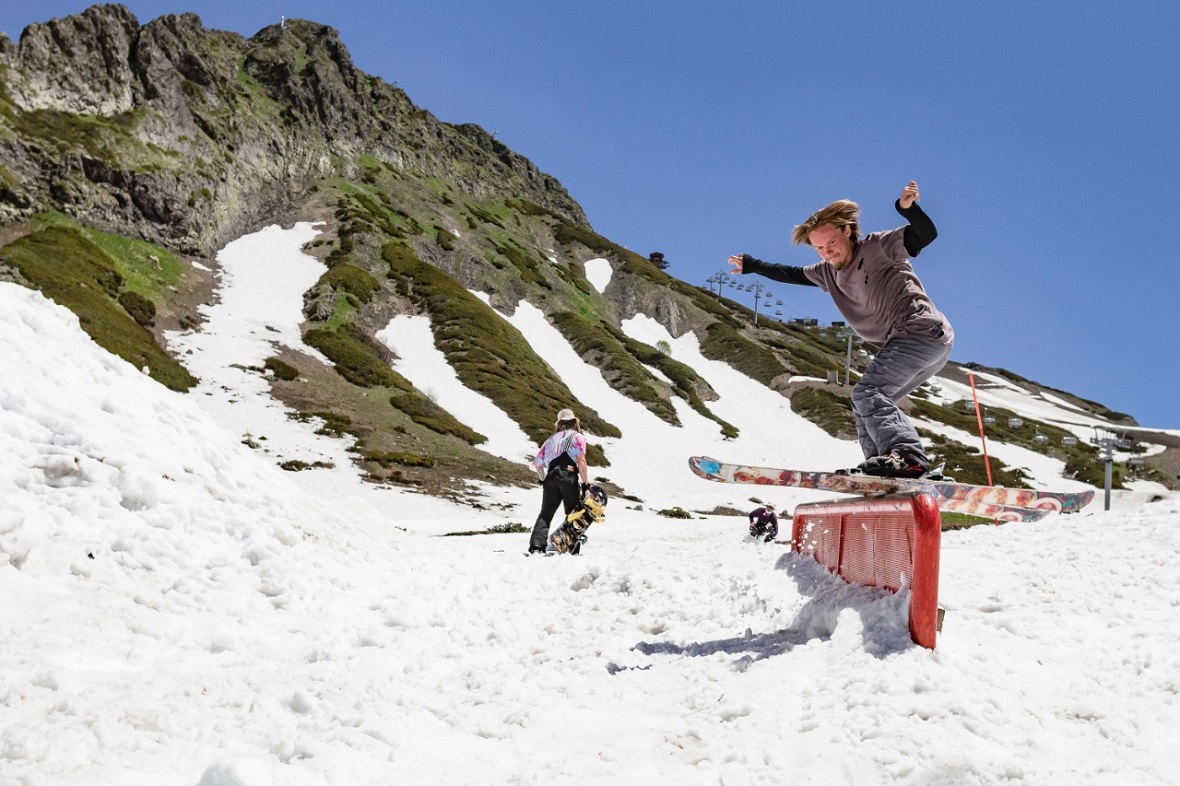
{"type": "Point", "coordinates": [966, 464]}
{"type": "Point", "coordinates": [621, 371]}
{"type": "Point", "coordinates": [1080, 459]}
{"type": "Point", "coordinates": [527, 264]}
{"type": "Point", "coordinates": [351, 280]}
{"type": "Point", "coordinates": [356, 357]}
{"type": "Point", "coordinates": [148, 270]}
{"type": "Point", "coordinates": [488, 354]}
{"type": "Point", "coordinates": [359, 360]}
{"type": "Point", "coordinates": [724, 343]}
{"type": "Point", "coordinates": [74, 272]}
{"type": "Point", "coordinates": [568, 233]}
{"type": "Point", "coordinates": [426, 413]}
{"type": "Point", "coordinates": [686, 383]}
{"type": "Point", "coordinates": [825, 409]}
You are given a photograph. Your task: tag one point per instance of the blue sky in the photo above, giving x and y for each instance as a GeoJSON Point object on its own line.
{"type": "Point", "coordinates": [1043, 135]}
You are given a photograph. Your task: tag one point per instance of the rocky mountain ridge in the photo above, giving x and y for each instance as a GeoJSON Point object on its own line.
{"type": "Point", "coordinates": [129, 152]}
{"type": "Point", "coordinates": [188, 137]}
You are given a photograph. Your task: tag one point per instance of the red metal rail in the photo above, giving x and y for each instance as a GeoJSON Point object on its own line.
{"type": "Point", "coordinates": [889, 542]}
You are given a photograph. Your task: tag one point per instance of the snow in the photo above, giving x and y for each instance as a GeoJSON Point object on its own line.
{"type": "Point", "coordinates": [598, 273]}
{"type": "Point", "coordinates": [178, 610]}
{"type": "Point", "coordinates": [424, 365]}
{"type": "Point", "coordinates": [994, 391]}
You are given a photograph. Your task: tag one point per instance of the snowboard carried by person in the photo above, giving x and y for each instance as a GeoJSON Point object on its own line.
{"type": "Point", "coordinates": [569, 537]}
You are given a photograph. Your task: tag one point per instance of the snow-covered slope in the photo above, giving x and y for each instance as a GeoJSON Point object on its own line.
{"type": "Point", "coordinates": [179, 611]}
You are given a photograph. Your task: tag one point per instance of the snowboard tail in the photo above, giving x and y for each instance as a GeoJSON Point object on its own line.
{"type": "Point", "coordinates": [569, 537]}
{"type": "Point", "coordinates": [991, 501]}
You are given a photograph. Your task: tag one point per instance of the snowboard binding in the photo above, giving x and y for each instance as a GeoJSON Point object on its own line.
{"type": "Point", "coordinates": [569, 537]}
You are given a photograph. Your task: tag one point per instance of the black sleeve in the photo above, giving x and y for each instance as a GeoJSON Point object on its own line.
{"type": "Point", "coordinates": [788, 274]}
{"type": "Point", "coordinates": [920, 232]}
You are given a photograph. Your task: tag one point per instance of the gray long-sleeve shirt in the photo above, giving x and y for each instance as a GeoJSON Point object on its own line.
{"type": "Point", "coordinates": [878, 292]}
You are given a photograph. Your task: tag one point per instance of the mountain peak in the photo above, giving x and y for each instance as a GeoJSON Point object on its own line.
{"type": "Point", "coordinates": [188, 137]}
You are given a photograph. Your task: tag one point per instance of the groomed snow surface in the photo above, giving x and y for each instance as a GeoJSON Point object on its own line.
{"type": "Point", "coordinates": [177, 610]}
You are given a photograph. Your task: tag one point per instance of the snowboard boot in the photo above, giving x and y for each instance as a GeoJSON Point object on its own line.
{"type": "Point", "coordinates": [895, 465]}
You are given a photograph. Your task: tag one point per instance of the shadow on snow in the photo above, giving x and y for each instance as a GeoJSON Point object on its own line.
{"type": "Point", "coordinates": [828, 602]}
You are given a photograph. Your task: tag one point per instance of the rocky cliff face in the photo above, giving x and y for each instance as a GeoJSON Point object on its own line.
{"type": "Point", "coordinates": [188, 137]}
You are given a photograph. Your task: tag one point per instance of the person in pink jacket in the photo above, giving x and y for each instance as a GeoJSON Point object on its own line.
{"type": "Point", "coordinates": [560, 464]}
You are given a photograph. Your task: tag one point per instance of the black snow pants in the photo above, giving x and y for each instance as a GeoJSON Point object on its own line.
{"type": "Point", "coordinates": [559, 488]}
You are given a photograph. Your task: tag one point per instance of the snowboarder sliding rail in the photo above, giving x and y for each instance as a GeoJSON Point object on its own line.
{"type": "Point", "coordinates": [874, 286]}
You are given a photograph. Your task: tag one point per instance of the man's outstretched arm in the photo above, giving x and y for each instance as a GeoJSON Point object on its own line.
{"type": "Point", "coordinates": [920, 232]}
{"type": "Point", "coordinates": [788, 274]}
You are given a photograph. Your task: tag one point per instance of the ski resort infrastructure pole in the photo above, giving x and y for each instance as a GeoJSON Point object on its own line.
{"type": "Point", "coordinates": [848, 362]}
{"type": "Point", "coordinates": [1106, 445]}
{"type": "Point", "coordinates": [979, 419]}
{"type": "Point", "coordinates": [1109, 478]}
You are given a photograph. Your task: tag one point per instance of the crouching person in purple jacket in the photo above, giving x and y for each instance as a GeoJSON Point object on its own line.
{"type": "Point", "coordinates": [764, 523]}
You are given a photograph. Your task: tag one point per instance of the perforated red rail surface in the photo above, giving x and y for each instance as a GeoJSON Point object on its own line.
{"type": "Point", "coordinates": [890, 542]}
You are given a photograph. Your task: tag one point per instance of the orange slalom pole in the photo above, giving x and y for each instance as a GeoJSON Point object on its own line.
{"type": "Point", "coordinates": [979, 419]}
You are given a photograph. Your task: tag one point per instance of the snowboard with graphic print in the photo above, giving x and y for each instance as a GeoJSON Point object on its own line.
{"type": "Point", "coordinates": [1005, 504]}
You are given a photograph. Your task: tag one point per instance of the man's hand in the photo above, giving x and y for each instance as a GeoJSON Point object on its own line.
{"type": "Point", "coordinates": [737, 262]}
{"type": "Point", "coordinates": [909, 195]}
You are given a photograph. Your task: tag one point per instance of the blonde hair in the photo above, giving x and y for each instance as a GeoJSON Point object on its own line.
{"type": "Point", "coordinates": [841, 213]}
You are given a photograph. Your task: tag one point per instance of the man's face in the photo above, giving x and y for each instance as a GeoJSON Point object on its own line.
{"type": "Point", "coordinates": [833, 245]}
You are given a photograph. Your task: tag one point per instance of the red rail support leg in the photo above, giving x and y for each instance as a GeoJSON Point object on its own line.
{"type": "Point", "coordinates": [889, 542]}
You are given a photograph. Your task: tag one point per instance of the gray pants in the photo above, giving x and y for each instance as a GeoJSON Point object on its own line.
{"type": "Point", "coordinates": [899, 368]}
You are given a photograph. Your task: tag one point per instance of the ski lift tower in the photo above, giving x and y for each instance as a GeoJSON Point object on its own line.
{"type": "Point", "coordinates": [1107, 442]}
{"type": "Point", "coordinates": [847, 333]}
{"type": "Point", "coordinates": [719, 278]}
{"type": "Point", "coordinates": [757, 289]}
